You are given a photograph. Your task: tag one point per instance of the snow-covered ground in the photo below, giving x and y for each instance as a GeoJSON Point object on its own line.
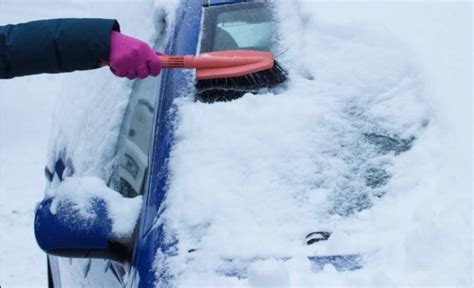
{"type": "Point", "coordinates": [400, 68]}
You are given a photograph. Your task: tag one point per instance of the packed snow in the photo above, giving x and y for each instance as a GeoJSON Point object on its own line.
{"type": "Point", "coordinates": [370, 139]}
{"type": "Point", "coordinates": [349, 146]}
{"type": "Point", "coordinates": [82, 192]}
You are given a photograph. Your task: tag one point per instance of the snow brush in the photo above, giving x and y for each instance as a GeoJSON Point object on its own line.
{"type": "Point", "coordinates": [221, 64]}
{"type": "Point", "coordinates": [249, 72]}
{"type": "Point", "coordinates": [227, 75]}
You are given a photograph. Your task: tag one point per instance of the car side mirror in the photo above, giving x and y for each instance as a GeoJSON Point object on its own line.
{"type": "Point", "coordinates": [61, 229]}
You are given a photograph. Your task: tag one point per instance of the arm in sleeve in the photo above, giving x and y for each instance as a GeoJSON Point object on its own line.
{"type": "Point", "coordinates": [54, 46]}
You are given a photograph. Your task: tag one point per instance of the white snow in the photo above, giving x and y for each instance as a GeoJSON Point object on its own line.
{"type": "Point", "coordinates": [268, 273]}
{"type": "Point", "coordinates": [25, 109]}
{"type": "Point", "coordinates": [251, 177]}
{"type": "Point", "coordinates": [82, 192]}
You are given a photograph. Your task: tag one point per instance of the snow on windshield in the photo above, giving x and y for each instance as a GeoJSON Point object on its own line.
{"type": "Point", "coordinates": [251, 177]}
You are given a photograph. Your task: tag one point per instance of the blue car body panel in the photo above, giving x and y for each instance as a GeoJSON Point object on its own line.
{"type": "Point", "coordinates": [86, 236]}
{"type": "Point", "coordinates": [184, 41]}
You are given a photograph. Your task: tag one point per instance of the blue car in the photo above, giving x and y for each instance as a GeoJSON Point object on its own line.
{"type": "Point", "coordinates": [90, 257]}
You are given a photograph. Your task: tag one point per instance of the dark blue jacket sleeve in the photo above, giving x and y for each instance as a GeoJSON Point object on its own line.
{"type": "Point", "coordinates": [54, 46]}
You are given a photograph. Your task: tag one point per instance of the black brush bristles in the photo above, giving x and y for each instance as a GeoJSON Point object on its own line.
{"type": "Point", "coordinates": [227, 89]}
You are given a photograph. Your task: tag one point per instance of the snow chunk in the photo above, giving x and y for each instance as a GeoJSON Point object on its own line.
{"type": "Point", "coordinates": [268, 273]}
{"type": "Point", "coordinates": [82, 192]}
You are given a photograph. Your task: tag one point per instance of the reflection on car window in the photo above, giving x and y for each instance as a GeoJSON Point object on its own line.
{"type": "Point", "coordinates": [237, 26]}
{"type": "Point", "coordinates": [134, 141]}
{"type": "Point", "coordinates": [248, 26]}
{"type": "Point", "coordinates": [243, 29]}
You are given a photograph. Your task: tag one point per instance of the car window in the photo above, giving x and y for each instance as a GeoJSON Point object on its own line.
{"type": "Point", "coordinates": [243, 29]}
{"type": "Point", "coordinates": [248, 26]}
{"type": "Point", "coordinates": [237, 26]}
{"type": "Point", "coordinates": [137, 128]}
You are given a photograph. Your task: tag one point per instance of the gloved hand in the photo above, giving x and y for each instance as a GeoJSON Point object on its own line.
{"type": "Point", "coordinates": [132, 58]}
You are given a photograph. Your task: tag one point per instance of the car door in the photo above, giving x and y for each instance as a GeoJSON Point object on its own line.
{"type": "Point", "coordinates": [128, 179]}
{"type": "Point", "coordinates": [175, 83]}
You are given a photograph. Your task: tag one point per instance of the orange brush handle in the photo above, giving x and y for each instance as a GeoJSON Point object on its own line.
{"type": "Point", "coordinates": [172, 61]}
{"type": "Point", "coordinates": [220, 64]}
{"type": "Point", "coordinates": [205, 61]}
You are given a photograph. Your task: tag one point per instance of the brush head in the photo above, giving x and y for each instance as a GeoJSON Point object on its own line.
{"type": "Point", "coordinates": [226, 89]}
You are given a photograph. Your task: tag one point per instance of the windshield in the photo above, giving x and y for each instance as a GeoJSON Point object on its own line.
{"type": "Point", "coordinates": [248, 26]}
{"type": "Point", "coordinates": [237, 26]}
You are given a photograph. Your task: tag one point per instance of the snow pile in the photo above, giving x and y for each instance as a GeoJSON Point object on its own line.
{"type": "Point", "coordinates": [268, 273]}
{"type": "Point", "coordinates": [350, 146]}
{"type": "Point", "coordinates": [82, 192]}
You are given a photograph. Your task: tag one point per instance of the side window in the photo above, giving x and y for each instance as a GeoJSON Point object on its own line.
{"type": "Point", "coordinates": [130, 174]}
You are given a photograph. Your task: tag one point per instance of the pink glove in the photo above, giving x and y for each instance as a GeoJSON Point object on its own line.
{"type": "Point", "coordinates": [132, 58]}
